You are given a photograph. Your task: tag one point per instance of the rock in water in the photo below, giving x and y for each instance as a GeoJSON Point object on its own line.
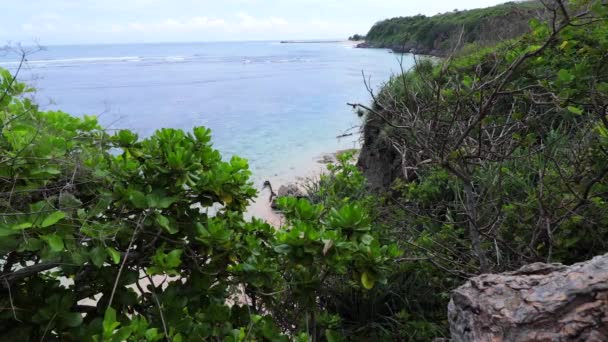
{"type": "Point", "coordinates": [540, 302]}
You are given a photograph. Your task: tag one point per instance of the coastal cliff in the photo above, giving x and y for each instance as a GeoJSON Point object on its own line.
{"type": "Point", "coordinates": [378, 160]}
{"type": "Point", "coordinates": [439, 35]}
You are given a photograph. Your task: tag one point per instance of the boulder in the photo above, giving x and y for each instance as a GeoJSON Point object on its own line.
{"type": "Point", "coordinates": [289, 190]}
{"type": "Point", "coordinates": [540, 302]}
{"type": "Point", "coordinates": [327, 159]}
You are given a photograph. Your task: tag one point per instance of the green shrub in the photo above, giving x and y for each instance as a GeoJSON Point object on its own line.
{"type": "Point", "coordinates": [111, 237]}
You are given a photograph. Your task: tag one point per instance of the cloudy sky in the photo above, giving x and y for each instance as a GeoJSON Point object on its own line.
{"type": "Point", "coordinates": [128, 21]}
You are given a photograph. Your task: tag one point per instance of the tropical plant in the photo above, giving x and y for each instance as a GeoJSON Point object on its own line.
{"type": "Point", "coordinates": [111, 237]}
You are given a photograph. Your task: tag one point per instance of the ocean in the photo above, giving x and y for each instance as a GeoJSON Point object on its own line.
{"type": "Point", "coordinates": [281, 106]}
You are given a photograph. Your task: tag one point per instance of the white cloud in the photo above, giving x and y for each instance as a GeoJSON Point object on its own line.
{"type": "Point", "coordinates": [108, 21]}
{"type": "Point", "coordinates": [28, 27]}
{"type": "Point", "coordinates": [248, 22]}
{"type": "Point", "coordinates": [241, 23]}
{"type": "Point", "coordinates": [190, 24]}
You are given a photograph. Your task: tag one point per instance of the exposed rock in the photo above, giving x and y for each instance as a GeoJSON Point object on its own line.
{"type": "Point", "coordinates": [290, 190]}
{"type": "Point", "coordinates": [327, 159]}
{"type": "Point", "coordinates": [378, 160]}
{"type": "Point", "coordinates": [540, 302]}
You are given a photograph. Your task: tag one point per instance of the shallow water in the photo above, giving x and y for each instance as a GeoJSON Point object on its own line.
{"type": "Point", "coordinates": [278, 105]}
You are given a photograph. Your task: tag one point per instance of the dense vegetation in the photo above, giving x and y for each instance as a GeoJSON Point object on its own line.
{"type": "Point", "coordinates": [501, 157]}
{"type": "Point", "coordinates": [441, 33]}
{"type": "Point", "coordinates": [110, 237]}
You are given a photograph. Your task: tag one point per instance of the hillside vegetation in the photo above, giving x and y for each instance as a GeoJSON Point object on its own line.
{"type": "Point", "coordinates": [439, 34]}
{"type": "Point", "coordinates": [495, 159]}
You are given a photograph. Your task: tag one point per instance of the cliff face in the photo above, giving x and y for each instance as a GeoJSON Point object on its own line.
{"type": "Point", "coordinates": [378, 160]}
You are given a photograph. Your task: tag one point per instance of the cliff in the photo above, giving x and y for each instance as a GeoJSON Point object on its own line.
{"type": "Point", "coordinates": [439, 34]}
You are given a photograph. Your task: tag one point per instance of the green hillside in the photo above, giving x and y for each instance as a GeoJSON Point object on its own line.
{"type": "Point", "coordinates": [438, 34]}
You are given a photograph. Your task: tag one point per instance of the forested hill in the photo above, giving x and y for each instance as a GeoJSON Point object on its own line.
{"type": "Point", "coordinates": [437, 35]}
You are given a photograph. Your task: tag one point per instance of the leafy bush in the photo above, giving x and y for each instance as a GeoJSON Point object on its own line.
{"type": "Point", "coordinates": [111, 237]}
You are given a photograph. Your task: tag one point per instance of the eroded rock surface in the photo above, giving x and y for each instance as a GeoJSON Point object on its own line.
{"type": "Point", "coordinates": [540, 302]}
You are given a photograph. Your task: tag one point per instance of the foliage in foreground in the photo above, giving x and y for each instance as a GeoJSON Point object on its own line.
{"type": "Point", "coordinates": [111, 237]}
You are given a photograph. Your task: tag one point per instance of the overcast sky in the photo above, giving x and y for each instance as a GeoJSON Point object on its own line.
{"type": "Point", "coordinates": [131, 21]}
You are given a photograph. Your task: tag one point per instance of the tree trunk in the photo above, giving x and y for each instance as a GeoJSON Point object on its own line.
{"type": "Point", "coordinates": [471, 209]}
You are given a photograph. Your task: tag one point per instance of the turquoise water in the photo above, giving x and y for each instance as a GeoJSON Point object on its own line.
{"type": "Point", "coordinates": [278, 105]}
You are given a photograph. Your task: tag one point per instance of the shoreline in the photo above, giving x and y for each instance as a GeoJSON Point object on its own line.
{"type": "Point", "coordinates": [308, 169]}
{"type": "Point", "coordinates": [403, 49]}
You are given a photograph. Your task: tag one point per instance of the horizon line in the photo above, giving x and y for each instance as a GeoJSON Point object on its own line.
{"type": "Point", "coordinates": [12, 44]}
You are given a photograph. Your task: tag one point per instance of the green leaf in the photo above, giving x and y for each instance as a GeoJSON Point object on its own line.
{"type": "Point", "coordinates": [138, 199]}
{"type": "Point", "coordinates": [367, 239]}
{"type": "Point", "coordinates": [67, 200]}
{"type": "Point", "coordinates": [152, 334]}
{"type": "Point", "coordinates": [6, 231]}
{"type": "Point", "coordinates": [333, 336]}
{"type": "Point", "coordinates": [126, 137]}
{"type": "Point", "coordinates": [55, 242]}
{"type": "Point", "coordinates": [164, 222]}
{"type": "Point", "coordinates": [31, 245]}
{"type": "Point", "coordinates": [174, 258]}
{"type": "Point", "coordinates": [158, 200]}
{"type": "Point", "coordinates": [52, 219]}
{"type": "Point", "coordinates": [72, 319]}
{"type": "Point", "coordinates": [367, 280]}
{"type": "Point", "coordinates": [575, 110]}
{"type": "Point", "coordinates": [98, 256]}
{"type": "Point", "coordinates": [565, 76]}
{"type": "Point", "coordinates": [122, 334]}
{"type": "Point", "coordinates": [23, 225]}
{"type": "Point", "coordinates": [282, 249]}
{"type": "Point", "coordinates": [114, 254]}
{"type": "Point", "coordinates": [109, 322]}
{"type": "Point", "coordinates": [47, 169]}
{"type": "Point", "coordinates": [467, 81]}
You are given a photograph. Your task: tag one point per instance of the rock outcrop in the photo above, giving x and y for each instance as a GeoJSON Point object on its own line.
{"type": "Point", "coordinates": [289, 190]}
{"type": "Point", "coordinates": [378, 160]}
{"type": "Point", "coordinates": [540, 302]}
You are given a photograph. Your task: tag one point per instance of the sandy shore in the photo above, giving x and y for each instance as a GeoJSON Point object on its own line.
{"type": "Point", "coordinates": [260, 207]}
{"type": "Point", "coordinates": [309, 169]}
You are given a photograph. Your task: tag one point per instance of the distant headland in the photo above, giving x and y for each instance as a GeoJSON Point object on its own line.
{"type": "Point", "coordinates": [310, 41]}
